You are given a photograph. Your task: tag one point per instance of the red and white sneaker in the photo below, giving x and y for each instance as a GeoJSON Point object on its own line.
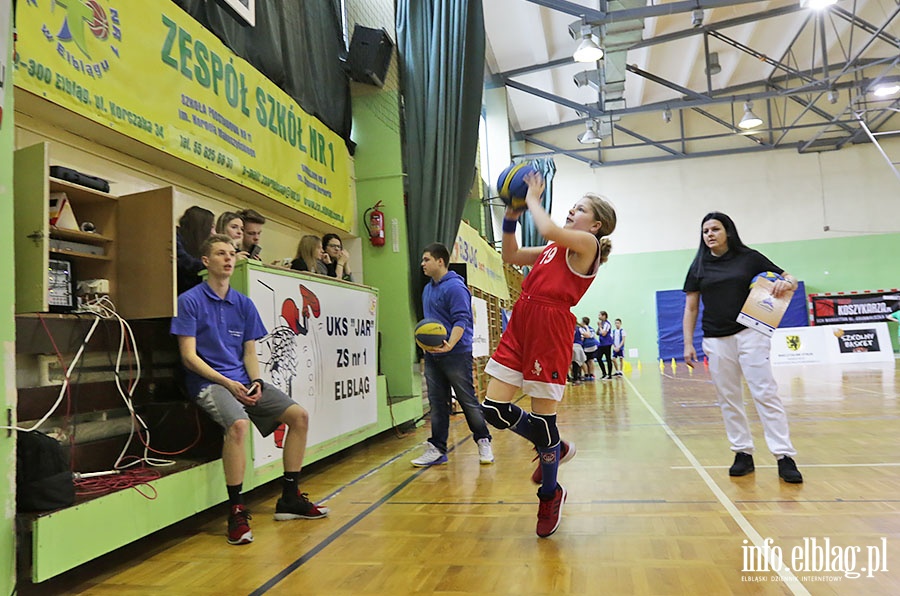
{"type": "Point", "coordinates": [566, 452]}
{"type": "Point", "coordinates": [239, 526]}
{"type": "Point", "coordinates": [550, 512]}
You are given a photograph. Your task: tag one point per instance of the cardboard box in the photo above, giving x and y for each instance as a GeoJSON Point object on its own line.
{"type": "Point", "coordinates": [762, 311]}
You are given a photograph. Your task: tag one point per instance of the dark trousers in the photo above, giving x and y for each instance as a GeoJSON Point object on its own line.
{"type": "Point", "coordinates": [441, 374]}
{"type": "Point", "coordinates": [605, 352]}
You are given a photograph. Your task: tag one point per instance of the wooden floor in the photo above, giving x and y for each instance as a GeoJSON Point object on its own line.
{"type": "Point", "coordinates": [651, 507]}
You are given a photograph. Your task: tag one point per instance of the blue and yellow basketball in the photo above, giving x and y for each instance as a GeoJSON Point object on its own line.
{"type": "Point", "coordinates": [767, 275]}
{"type": "Point", "coordinates": [511, 184]}
{"type": "Point", "coordinates": [430, 334]}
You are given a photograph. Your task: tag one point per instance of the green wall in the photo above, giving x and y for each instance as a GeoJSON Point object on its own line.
{"type": "Point", "coordinates": [626, 286]}
{"type": "Point", "coordinates": [379, 177]}
{"type": "Point", "coordinates": [7, 335]}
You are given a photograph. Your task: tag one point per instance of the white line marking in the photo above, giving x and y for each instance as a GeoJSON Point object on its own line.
{"type": "Point", "coordinates": [787, 575]}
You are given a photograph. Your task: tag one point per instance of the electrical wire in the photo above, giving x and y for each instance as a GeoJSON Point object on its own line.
{"type": "Point", "coordinates": [128, 471]}
{"type": "Point", "coordinates": [138, 479]}
{"type": "Point", "coordinates": [63, 389]}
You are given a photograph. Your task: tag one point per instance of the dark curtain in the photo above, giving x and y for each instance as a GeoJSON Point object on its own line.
{"type": "Point", "coordinates": [530, 234]}
{"type": "Point", "coordinates": [441, 46]}
{"type": "Point", "coordinates": [296, 44]}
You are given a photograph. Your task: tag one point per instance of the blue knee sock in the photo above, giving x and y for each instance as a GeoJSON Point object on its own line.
{"type": "Point", "coordinates": [549, 467]}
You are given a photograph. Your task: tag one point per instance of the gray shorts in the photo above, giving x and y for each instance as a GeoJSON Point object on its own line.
{"type": "Point", "coordinates": [225, 409]}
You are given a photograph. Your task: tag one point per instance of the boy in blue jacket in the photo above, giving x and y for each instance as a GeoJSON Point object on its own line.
{"type": "Point", "coordinates": [447, 299]}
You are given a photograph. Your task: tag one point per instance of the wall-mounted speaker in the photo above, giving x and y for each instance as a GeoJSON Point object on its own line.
{"type": "Point", "coordinates": [370, 55]}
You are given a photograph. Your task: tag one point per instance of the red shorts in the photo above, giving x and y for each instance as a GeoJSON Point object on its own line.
{"type": "Point", "coordinates": [536, 349]}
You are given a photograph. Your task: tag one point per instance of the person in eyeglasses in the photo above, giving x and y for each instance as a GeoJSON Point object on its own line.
{"type": "Point", "coordinates": [336, 259]}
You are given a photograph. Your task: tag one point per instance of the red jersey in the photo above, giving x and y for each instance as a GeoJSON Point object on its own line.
{"type": "Point", "coordinates": [536, 349]}
{"type": "Point", "coordinates": [552, 278]}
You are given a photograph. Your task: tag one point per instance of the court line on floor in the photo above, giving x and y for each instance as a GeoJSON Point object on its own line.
{"type": "Point", "coordinates": [284, 573]}
{"type": "Point", "coordinates": [775, 563]}
{"type": "Point", "coordinates": [328, 540]}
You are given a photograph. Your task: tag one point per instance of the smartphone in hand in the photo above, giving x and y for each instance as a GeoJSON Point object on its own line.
{"type": "Point", "coordinates": [255, 250]}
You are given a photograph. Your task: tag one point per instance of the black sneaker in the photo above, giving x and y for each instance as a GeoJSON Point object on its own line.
{"type": "Point", "coordinates": [787, 470]}
{"type": "Point", "coordinates": [299, 508]}
{"type": "Point", "coordinates": [743, 465]}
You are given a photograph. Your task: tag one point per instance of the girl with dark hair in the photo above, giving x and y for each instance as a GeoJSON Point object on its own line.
{"type": "Point", "coordinates": [194, 227]}
{"type": "Point", "coordinates": [336, 258]}
{"type": "Point", "coordinates": [535, 351]}
{"type": "Point", "coordinates": [604, 350]}
{"type": "Point", "coordinates": [721, 274]}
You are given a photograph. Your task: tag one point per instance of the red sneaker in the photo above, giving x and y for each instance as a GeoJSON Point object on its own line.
{"type": "Point", "coordinates": [239, 526]}
{"type": "Point", "coordinates": [566, 452]}
{"type": "Point", "coordinates": [550, 512]}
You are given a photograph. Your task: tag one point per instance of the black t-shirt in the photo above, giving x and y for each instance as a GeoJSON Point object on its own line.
{"type": "Point", "coordinates": [724, 283]}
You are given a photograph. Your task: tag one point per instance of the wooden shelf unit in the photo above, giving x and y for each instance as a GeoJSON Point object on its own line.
{"type": "Point", "coordinates": [139, 265]}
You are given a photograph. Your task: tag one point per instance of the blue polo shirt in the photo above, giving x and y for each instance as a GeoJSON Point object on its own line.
{"type": "Point", "coordinates": [221, 327]}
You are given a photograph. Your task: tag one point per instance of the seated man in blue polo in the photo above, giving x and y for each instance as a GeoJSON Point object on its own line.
{"type": "Point", "coordinates": [217, 328]}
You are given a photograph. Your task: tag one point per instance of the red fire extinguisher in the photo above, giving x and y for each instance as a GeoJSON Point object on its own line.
{"type": "Point", "coordinates": [373, 219]}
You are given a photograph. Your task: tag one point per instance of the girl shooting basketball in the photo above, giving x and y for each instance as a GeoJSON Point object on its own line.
{"type": "Point", "coordinates": [536, 348]}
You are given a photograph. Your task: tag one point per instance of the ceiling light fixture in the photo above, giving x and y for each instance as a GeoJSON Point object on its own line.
{"type": "Point", "coordinates": [750, 120]}
{"type": "Point", "coordinates": [587, 77]}
{"type": "Point", "coordinates": [712, 65]}
{"type": "Point", "coordinates": [587, 50]}
{"type": "Point", "coordinates": [885, 89]}
{"type": "Point", "coordinates": [590, 135]}
{"type": "Point", "coordinates": [697, 17]}
{"type": "Point", "coordinates": [667, 115]}
{"type": "Point", "coordinates": [833, 96]}
{"type": "Point", "coordinates": [816, 4]}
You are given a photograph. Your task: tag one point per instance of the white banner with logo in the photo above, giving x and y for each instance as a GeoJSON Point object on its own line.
{"type": "Point", "coordinates": [832, 344]}
{"type": "Point", "coordinates": [481, 334]}
{"type": "Point", "coordinates": [321, 350]}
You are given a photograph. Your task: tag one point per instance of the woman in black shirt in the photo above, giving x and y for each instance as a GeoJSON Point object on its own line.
{"type": "Point", "coordinates": [721, 274]}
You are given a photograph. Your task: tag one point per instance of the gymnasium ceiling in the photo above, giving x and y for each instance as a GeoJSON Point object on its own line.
{"type": "Point", "coordinates": [809, 73]}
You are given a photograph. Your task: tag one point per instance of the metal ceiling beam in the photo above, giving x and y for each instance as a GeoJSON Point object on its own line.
{"type": "Point", "coordinates": [733, 93]}
{"type": "Point", "coordinates": [578, 107]}
{"type": "Point", "coordinates": [659, 158]}
{"type": "Point", "coordinates": [647, 141]}
{"type": "Point", "coordinates": [682, 140]}
{"type": "Point", "coordinates": [599, 17]}
{"type": "Point", "coordinates": [760, 56]}
{"type": "Point", "coordinates": [665, 83]}
{"type": "Point", "coordinates": [817, 111]}
{"type": "Point", "coordinates": [886, 114]}
{"type": "Point", "coordinates": [679, 104]}
{"type": "Point", "coordinates": [735, 22]}
{"type": "Point", "coordinates": [498, 79]}
{"type": "Point", "coordinates": [730, 126]}
{"type": "Point", "coordinates": [874, 35]}
{"type": "Point", "coordinates": [865, 25]}
{"type": "Point", "coordinates": [560, 150]}
{"type": "Point", "coordinates": [812, 83]}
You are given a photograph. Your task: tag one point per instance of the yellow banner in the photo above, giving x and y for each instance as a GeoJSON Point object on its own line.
{"type": "Point", "coordinates": [149, 71]}
{"type": "Point", "coordinates": [484, 263]}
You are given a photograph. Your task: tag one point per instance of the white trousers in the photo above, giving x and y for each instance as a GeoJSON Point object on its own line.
{"type": "Point", "coordinates": [747, 352]}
